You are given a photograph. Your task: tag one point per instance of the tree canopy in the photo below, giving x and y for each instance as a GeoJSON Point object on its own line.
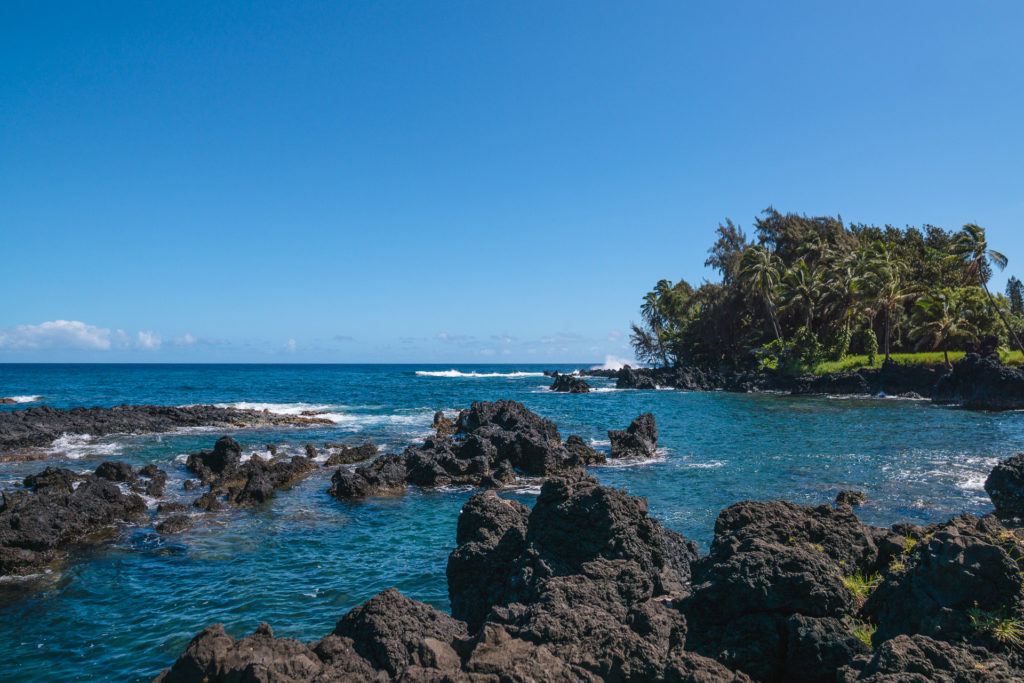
{"type": "Point", "coordinates": [805, 289]}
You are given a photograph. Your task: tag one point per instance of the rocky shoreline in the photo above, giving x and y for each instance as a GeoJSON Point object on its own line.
{"type": "Point", "coordinates": [975, 382]}
{"type": "Point", "coordinates": [488, 445]}
{"type": "Point", "coordinates": [39, 427]}
{"type": "Point", "coordinates": [586, 586]}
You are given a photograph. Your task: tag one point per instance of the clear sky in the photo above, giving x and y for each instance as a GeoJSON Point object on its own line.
{"type": "Point", "coordinates": [461, 181]}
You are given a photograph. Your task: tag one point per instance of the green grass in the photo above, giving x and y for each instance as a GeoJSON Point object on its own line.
{"type": "Point", "coordinates": [852, 363]}
{"type": "Point", "coordinates": [861, 586]}
{"type": "Point", "coordinates": [863, 631]}
{"type": "Point", "coordinates": [1006, 630]}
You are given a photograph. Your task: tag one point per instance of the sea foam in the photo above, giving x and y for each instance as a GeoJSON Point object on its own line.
{"type": "Point", "coordinates": [453, 374]}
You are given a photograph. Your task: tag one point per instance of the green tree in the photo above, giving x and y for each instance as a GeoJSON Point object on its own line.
{"type": "Point", "coordinates": [759, 274]}
{"type": "Point", "coordinates": [802, 288]}
{"type": "Point", "coordinates": [1015, 293]}
{"type": "Point", "coordinates": [941, 319]}
{"type": "Point", "coordinates": [665, 311]}
{"type": "Point", "coordinates": [726, 253]}
{"type": "Point", "coordinates": [971, 246]}
{"type": "Point", "coordinates": [889, 291]}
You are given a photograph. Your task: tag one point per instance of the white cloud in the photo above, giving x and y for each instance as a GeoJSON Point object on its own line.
{"type": "Point", "coordinates": [56, 334]}
{"type": "Point", "coordinates": [186, 340]}
{"type": "Point", "coordinates": [148, 340]}
{"type": "Point", "coordinates": [74, 334]}
{"type": "Point", "coordinates": [291, 346]}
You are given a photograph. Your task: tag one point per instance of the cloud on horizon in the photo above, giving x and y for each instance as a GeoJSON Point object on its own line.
{"type": "Point", "coordinates": [75, 334]}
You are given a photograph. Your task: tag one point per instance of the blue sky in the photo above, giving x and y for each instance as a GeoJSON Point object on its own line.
{"type": "Point", "coordinates": [461, 182]}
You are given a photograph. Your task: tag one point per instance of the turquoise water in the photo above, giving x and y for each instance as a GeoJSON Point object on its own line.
{"type": "Point", "coordinates": [124, 611]}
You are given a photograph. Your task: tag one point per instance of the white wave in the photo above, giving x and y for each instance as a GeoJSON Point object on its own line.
{"type": "Point", "coordinates": [523, 489]}
{"type": "Point", "coordinates": [714, 464]}
{"type": "Point", "coordinates": [76, 446]}
{"type": "Point", "coordinates": [614, 363]}
{"type": "Point", "coordinates": [973, 482]}
{"type": "Point", "coordinates": [26, 399]}
{"type": "Point", "coordinates": [456, 374]}
{"type": "Point", "coordinates": [600, 442]}
{"type": "Point", "coordinates": [604, 390]}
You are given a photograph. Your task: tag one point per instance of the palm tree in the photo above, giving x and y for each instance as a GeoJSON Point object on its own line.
{"type": "Point", "coordinates": [888, 289]}
{"type": "Point", "coordinates": [971, 246]}
{"type": "Point", "coordinates": [759, 274]}
{"type": "Point", "coordinates": [803, 289]}
{"type": "Point", "coordinates": [938, 319]}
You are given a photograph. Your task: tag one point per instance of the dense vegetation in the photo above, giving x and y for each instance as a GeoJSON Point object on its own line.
{"type": "Point", "coordinates": [808, 290]}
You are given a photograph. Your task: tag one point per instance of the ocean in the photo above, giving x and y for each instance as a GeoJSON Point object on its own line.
{"type": "Point", "coordinates": [125, 610]}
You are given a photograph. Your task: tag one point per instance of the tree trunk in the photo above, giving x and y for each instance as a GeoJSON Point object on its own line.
{"type": "Point", "coordinates": [1002, 316]}
{"type": "Point", "coordinates": [888, 327]}
{"type": "Point", "coordinates": [771, 316]}
{"type": "Point", "coordinates": [945, 354]}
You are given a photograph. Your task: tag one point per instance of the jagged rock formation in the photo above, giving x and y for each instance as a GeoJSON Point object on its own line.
{"type": "Point", "coordinates": [639, 440]}
{"type": "Point", "coordinates": [346, 455]}
{"type": "Point", "coordinates": [981, 383]}
{"type": "Point", "coordinates": [243, 483]}
{"type": "Point", "coordinates": [41, 425]}
{"type": "Point", "coordinates": [492, 443]}
{"type": "Point", "coordinates": [59, 509]}
{"type": "Point", "coordinates": [585, 586]}
{"type": "Point", "coordinates": [1005, 486]}
{"type": "Point", "coordinates": [571, 384]}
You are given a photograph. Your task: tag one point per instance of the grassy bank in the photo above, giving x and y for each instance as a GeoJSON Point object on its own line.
{"type": "Point", "coordinates": [852, 363]}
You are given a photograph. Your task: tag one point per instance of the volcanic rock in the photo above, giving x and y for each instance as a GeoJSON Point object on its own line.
{"type": "Point", "coordinates": [639, 440]}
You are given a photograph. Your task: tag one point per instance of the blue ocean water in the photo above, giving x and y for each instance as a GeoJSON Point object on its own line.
{"type": "Point", "coordinates": [124, 611]}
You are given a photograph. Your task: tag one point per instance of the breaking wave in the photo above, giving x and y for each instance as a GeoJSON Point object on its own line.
{"type": "Point", "coordinates": [26, 399]}
{"type": "Point", "coordinates": [453, 374]}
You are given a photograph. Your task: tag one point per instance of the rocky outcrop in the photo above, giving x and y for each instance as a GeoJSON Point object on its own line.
{"type": "Point", "coordinates": [981, 383]}
{"type": "Point", "coordinates": [586, 586]}
{"type": "Point", "coordinates": [243, 483]}
{"type": "Point", "coordinates": [639, 440]}
{"type": "Point", "coordinates": [492, 442]}
{"type": "Point", "coordinates": [571, 384]}
{"type": "Point", "coordinates": [1005, 486]}
{"type": "Point", "coordinates": [346, 455]}
{"type": "Point", "coordinates": [921, 659]}
{"type": "Point", "coordinates": [851, 498]}
{"type": "Point", "coordinates": [443, 426]}
{"type": "Point", "coordinates": [40, 426]}
{"type": "Point", "coordinates": [579, 588]}
{"type": "Point", "coordinates": [961, 574]}
{"type": "Point", "coordinates": [58, 510]}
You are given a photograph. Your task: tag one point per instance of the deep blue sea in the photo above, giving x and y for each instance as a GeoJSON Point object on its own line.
{"type": "Point", "coordinates": [126, 610]}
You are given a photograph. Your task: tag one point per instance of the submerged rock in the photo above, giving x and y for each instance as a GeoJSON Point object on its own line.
{"type": "Point", "coordinates": [639, 440]}
{"type": "Point", "coordinates": [57, 510]}
{"type": "Point", "coordinates": [572, 384]}
{"type": "Point", "coordinates": [39, 426]}
{"type": "Point", "coordinates": [174, 524]}
{"type": "Point", "coordinates": [851, 498]}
